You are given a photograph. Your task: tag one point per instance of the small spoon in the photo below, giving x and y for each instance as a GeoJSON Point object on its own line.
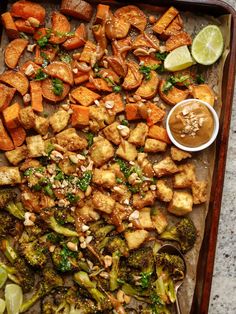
{"type": "Point", "coordinates": [171, 249]}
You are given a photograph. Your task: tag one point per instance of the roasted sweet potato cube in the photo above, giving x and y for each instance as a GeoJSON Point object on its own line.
{"type": "Point", "coordinates": [29, 68]}
{"type": "Point", "coordinates": [132, 111]}
{"type": "Point", "coordinates": [78, 9]}
{"type": "Point", "coordinates": [102, 13]}
{"type": "Point", "coordinates": [158, 133]}
{"type": "Point", "coordinates": [99, 84]}
{"type": "Point", "coordinates": [203, 92]}
{"type": "Point", "coordinates": [180, 39]}
{"type": "Point", "coordinates": [48, 93]}
{"type": "Point", "coordinates": [134, 15]}
{"type": "Point", "coordinates": [11, 116]}
{"type": "Point", "coordinates": [80, 116]}
{"type": "Point", "coordinates": [172, 96]}
{"type": "Point", "coordinates": [84, 96]}
{"type": "Point", "coordinates": [155, 114]}
{"type": "Point", "coordinates": [24, 26]}
{"type": "Point", "coordinates": [5, 140]}
{"type": "Point", "coordinates": [18, 136]}
{"type": "Point", "coordinates": [10, 26]}
{"type": "Point", "coordinates": [25, 9]}
{"type": "Point", "coordinates": [116, 100]}
{"type": "Point", "coordinates": [133, 78]}
{"type": "Point", "coordinates": [36, 96]}
{"type": "Point", "coordinates": [165, 20]}
{"type": "Point", "coordinates": [88, 53]}
{"type": "Point", "coordinates": [7, 93]}
{"type": "Point", "coordinates": [174, 27]}
{"type": "Point", "coordinates": [78, 40]}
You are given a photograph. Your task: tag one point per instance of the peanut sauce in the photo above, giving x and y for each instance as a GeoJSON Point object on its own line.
{"type": "Point", "coordinates": [191, 124]}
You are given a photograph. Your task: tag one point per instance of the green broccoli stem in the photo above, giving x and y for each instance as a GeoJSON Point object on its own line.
{"type": "Point", "coordinates": [16, 210]}
{"type": "Point", "coordinates": [8, 251]}
{"type": "Point", "coordinates": [60, 229]}
{"type": "Point", "coordinates": [35, 297]}
{"type": "Point", "coordinates": [114, 271]}
{"type": "Point", "coordinates": [84, 281]}
{"type": "Point", "coordinates": [139, 295]}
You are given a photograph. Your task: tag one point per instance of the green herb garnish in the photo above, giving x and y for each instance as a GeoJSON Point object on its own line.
{"type": "Point", "coordinates": [84, 182]}
{"type": "Point", "coordinates": [43, 41]}
{"type": "Point", "coordinates": [90, 137]}
{"type": "Point", "coordinates": [72, 198]}
{"type": "Point", "coordinates": [116, 88]}
{"type": "Point", "coordinates": [200, 79]}
{"type": "Point", "coordinates": [65, 57]}
{"type": "Point", "coordinates": [171, 81]}
{"type": "Point", "coordinates": [161, 55]}
{"type": "Point", "coordinates": [145, 279]}
{"type": "Point", "coordinates": [146, 70]}
{"type": "Point", "coordinates": [125, 122]}
{"type": "Point", "coordinates": [57, 86]}
{"type": "Point", "coordinates": [40, 75]}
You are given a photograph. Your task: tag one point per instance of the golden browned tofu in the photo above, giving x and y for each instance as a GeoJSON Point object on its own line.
{"type": "Point", "coordinates": [59, 120]}
{"type": "Point", "coordinates": [87, 212]}
{"type": "Point", "coordinates": [27, 117]}
{"type": "Point", "coordinates": [99, 118]}
{"type": "Point", "coordinates": [165, 167]}
{"type": "Point", "coordinates": [66, 165]}
{"type": "Point", "coordinates": [145, 218]}
{"type": "Point", "coordinates": [17, 155]}
{"type": "Point", "coordinates": [165, 20]}
{"type": "Point", "coordinates": [70, 140]}
{"type": "Point", "coordinates": [180, 39]}
{"type": "Point", "coordinates": [181, 203]}
{"type": "Point", "coordinates": [178, 154]}
{"type": "Point", "coordinates": [138, 134]}
{"type": "Point", "coordinates": [9, 175]}
{"type": "Point", "coordinates": [127, 151]}
{"type": "Point", "coordinates": [186, 176]}
{"type": "Point", "coordinates": [101, 151]}
{"type": "Point", "coordinates": [159, 221]}
{"type": "Point", "coordinates": [121, 193]}
{"type": "Point", "coordinates": [105, 178]}
{"type": "Point", "coordinates": [35, 146]}
{"type": "Point", "coordinates": [112, 134]}
{"type": "Point", "coordinates": [41, 125]}
{"type": "Point", "coordinates": [103, 202]}
{"type": "Point", "coordinates": [154, 146]}
{"type": "Point", "coordinates": [163, 192]}
{"type": "Point", "coordinates": [135, 238]}
{"type": "Point", "coordinates": [29, 163]}
{"type": "Point", "coordinates": [199, 191]}
{"type": "Point", "coordinates": [140, 201]}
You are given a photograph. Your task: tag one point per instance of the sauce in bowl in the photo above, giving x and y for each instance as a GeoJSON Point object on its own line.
{"type": "Point", "coordinates": [192, 124]}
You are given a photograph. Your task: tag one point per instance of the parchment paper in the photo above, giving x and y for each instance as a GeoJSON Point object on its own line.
{"type": "Point", "coordinates": [204, 161]}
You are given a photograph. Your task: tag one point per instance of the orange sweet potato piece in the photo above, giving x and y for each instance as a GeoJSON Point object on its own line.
{"type": "Point", "coordinates": [148, 88]}
{"type": "Point", "coordinates": [203, 92]}
{"type": "Point", "coordinates": [40, 54]}
{"type": "Point", "coordinates": [18, 136]}
{"type": "Point", "coordinates": [23, 26]}
{"type": "Point", "coordinates": [88, 53]}
{"type": "Point", "coordinates": [155, 114]}
{"type": "Point", "coordinates": [134, 15]}
{"type": "Point", "coordinates": [132, 112]}
{"type": "Point", "coordinates": [7, 93]}
{"type": "Point", "coordinates": [178, 40]}
{"type": "Point", "coordinates": [60, 28]}
{"type": "Point", "coordinates": [10, 26]}
{"type": "Point", "coordinates": [47, 90]}
{"type": "Point", "coordinates": [158, 133]}
{"type": "Point", "coordinates": [174, 27]}
{"type": "Point", "coordinates": [80, 115]}
{"type": "Point", "coordinates": [78, 9]}
{"type": "Point", "coordinates": [13, 52]}
{"type": "Point", "coordinates": [118, 45]}
{"type": "Point", "coordinates": [25, 9]}
{"type": "Point", "coordinates": [133, 77]}
{"type": "Point", "coordinates": [99, 84]}
{"type": "Point", "coordinates": [149, 61]}
{"type": "Point", "coordinates": [84, 96]}
{"type": "Point", "coordinates": [117, 27]}
{"type": "Point", "coordinates": [28, 64]}
{"type": "Point", "coordinates": [172, 96]}
{"type": "Point", "coordinates": [78, 40]}
{"type": "Point", "coordinates": [60, 70]}
{"type": "Point", "coordinates": [17, 80]}
{"type": "Point", "coordinates": [5, 140]}
{"type": "Point", "coordinates": [81, 77]}
{"type": "Point", "coordinates": [36, 96]}
{"type": "Point", "coordinates": [145, 40]}
{"type": "Point", "coordinates": [42, 31]}
{"type": "Point", "coordinates": [11, 116]}
{"type": "Point", "coordinates": [117, 100]}
{"type": "Point", "coordinates": [102, 13]}
{"type": "Point", "coordinates": [110, 74]}
{"type": "Point", "coordinates": [165, 20]}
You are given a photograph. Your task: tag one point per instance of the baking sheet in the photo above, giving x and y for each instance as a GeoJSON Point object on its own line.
{"type": "Point", "coordinates": [203, 161]}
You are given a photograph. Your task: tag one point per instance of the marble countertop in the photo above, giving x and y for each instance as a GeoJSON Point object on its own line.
{"type": "Point", "coordinates": [223, 292]}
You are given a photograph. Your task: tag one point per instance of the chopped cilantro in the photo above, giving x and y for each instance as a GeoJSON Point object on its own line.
{"type": "Point", "coordinates": [64, 259]}
{"type": "Point", "coordinates": [200, 79]}
{"type": "Point", "coordinates": [171, 81]}
{"type": "Point", "coordinates": [28, 172]}
{"type": "Point", "coordinates": [57, 86]}
{"type": "Point", "coordinates": [54, 237]}
{"type": "Point", "coordinates": [116, 89]}
{"type": "Point", "coordinates": [43, 41]}
{"type": "Point", "coordinates": [65, 57]}
{"type": "Point", "coordinates": [133, 189]}
{"type": "Point", "coordinates": [37, 187]}
{"type": "Point", "coordinates": [49, 191]}
{"type": "Point", "coordinates": [72, 198]}
{"type": "Point", "coordinates": [90, 137]}
{"type": "Point", "coordinates": [60, 176]}
{"type": "Point", "coordinates": [83, 182]}
{"type": "Point", "coordinates": [146, 70]}
{"type": "Point", "coordinates": [119, 180]}
{"type": "Point", "coordinates": [161, 55]}
{"type": "Point", "coordinates": [125, 122]}
{"type": "Point", "coordinates": [40, 75]}
{"type": "Point", "coordinates": [145, 279]}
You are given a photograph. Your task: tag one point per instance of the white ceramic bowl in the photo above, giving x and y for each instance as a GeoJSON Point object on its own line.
{"type": "Point", "coordinates": [214, 133]}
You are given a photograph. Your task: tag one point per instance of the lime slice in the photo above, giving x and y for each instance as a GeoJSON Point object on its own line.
{"type": "Point", "coordinates": [178, 59]}
{"type": "Point", "coordinates": [2, 306]}
{"type": "Point", "coordinates": [14, 298]}
{"type": "Point", "coordinates": [208, 45]}
{"type": "Point", "coordinates": [3, 277]}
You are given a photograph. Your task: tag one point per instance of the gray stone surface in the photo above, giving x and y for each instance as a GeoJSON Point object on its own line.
{"type": "Point", "coordinates": [223, 293]}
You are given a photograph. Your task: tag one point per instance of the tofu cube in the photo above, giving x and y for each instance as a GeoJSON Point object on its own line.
{"type": "Point", "coordinates": [140, 201]}
{"type": "Point", "coordinates": [112, 134]}
{"type": "Point", "coordinates": [163, 192]}
{"type": "Point", "coordinates": [199, 191]}
{"type": "Point", "coordinates": [145, 218]}
{"type": "Point", "coordinates": [138, 134]}
{"type": "Point", "coordinates": [159, 221]}
{"type": "Point", "coordinates": [181, 203]}
{"type": "Point", "coordinates": [154, 146]}
{"type": "Point", "coordinates": [121, 193]}
{"type": "Point", "coordinates": [101, 151]}
{"type": "Point", "coordinates": [59, 120]}
{"type": "Point", "coordinates": [15, 156]}
{"type": "Point", "coordinates": [186, 176]}
{"type": "Point", "coordinates": [70, 140]}
{"type": "Point", "coordinates": [27, 118]}
{"type": "Point", "coordinates": [103, 202]}
{"type": "Point", "coordinates": [135, 238]}
{"type": "Point", "coordinates": [127, 151]}
{"type": "Point", "coordinates": [178, 154]}
{"type": "Point", "coordinates": [165, 167]}
{"type": "Point", "coordinates": [9, 175]}
{"type": "Point", "coordinates": [105, 178]}
{"type": "Point", "coordinates": [35, 145]}
{"type": "Point", "coordinates": [41, 125]}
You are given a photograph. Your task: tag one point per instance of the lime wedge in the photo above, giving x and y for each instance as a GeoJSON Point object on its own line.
{"type": "Point", "coordinates": [178, 59]}
{"type": "Point", "coordinates": [2, 306]}
{"type": "Point", "coordinates": [14, 298]}
{"type": "Point", "coordinates": [208, 45]}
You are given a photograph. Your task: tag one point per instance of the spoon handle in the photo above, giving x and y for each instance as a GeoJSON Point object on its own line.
{"type": "Point", "coordinates": [177, 305]}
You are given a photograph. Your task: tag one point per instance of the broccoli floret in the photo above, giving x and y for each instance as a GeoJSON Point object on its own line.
{"type": "Point", "coordinates": [100, 230]}
{"type": "Point", "coordinates": [117, 244]}
{"type": "Point", "coordinates": [64, 259]}
{"type": "Point", "coordinates": [142, 259]}
{"type": "Point", "coordinates": [50, 281]}
{"type": "Point", "coordinates": [34, 253]}
{"type": "Point", "coordinates": [172, 263]}
{"type": "Point", "coordinates": [55, 303]}
{"type": "Point", "coordinates": [7, 223]}
{"type": "Point", "coordinates": [6, 195]}
{"type": "Point", "coordinates": [16, 210]}
{"type": "Point", "coordinates": [184, 232]}
{"type": "Point", "coordinates": [55, 226]}
{"type": "Point", "coordinates": [63, 216]}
